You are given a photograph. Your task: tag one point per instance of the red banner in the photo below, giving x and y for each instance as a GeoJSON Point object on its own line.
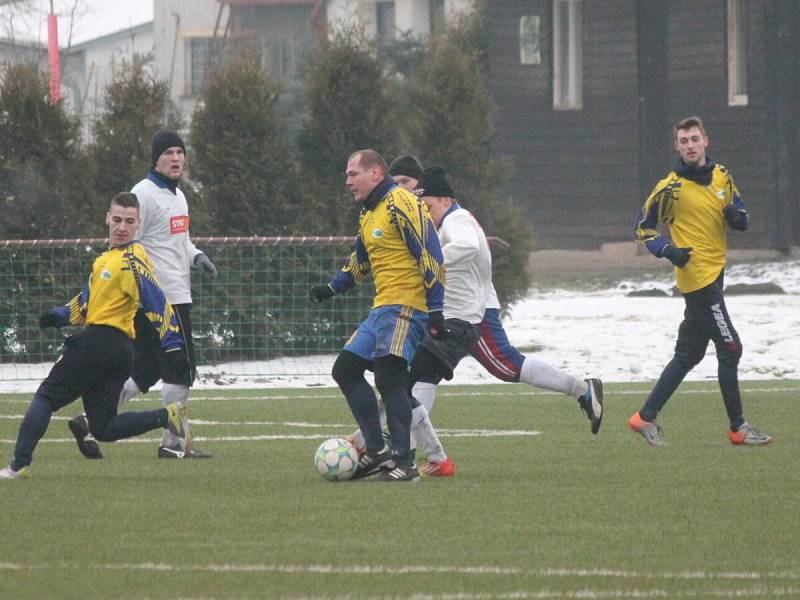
{"type": "Point", "coordinates": [55, 59]}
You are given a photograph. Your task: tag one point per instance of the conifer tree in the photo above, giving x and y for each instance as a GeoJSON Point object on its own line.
{"type": "Point", "coordinates": [243, 159]}
{"type": "Point", "coordinates": [349, 109]}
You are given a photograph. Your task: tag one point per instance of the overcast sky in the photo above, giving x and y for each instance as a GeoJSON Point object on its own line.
{"type": "Point", "coordinates": [27, 19]}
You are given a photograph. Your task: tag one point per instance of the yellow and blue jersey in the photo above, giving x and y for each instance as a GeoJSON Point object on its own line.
{"type": "Point", "coordinates": [122, 281]}
{"type": "Point", "coordinates": [397, 243]}
{"type": "Point", "coordinates": [692, 211]}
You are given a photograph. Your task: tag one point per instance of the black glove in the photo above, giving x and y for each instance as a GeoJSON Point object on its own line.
{"type": "Point", "coordinates": [48, 319]}
{"type": "Point", "coordinates": [677, 256]}
{"type": "Point", "coordinates": [436, 325]}
{"type": "Point", "coordinates": [202, 262]}
{"type": "Point", "coordinates": [736, 217]}
{"type": "Point", "coordinates": [318, 293]}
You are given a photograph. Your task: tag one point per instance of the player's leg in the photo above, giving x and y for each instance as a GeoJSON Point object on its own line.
{"type": "Point", "coordinates": [398, 332]}
{"type": "Point", "coordinates": [348, 372]}
{"type": "Point", "coordinates": [690, 348]}
{"type": "Point", "coordinates": [498, 356]}
{"type": "Point", "coordinates": [114, 351]}
{"type": "Point", "coordinates": [75, 371]}
{"type": "Point", "coordinates": [717, 321]}
{"type": "Point", "coordinates": [177, 378]}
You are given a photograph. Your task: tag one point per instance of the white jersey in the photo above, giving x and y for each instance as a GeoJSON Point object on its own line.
{"type": "Point", "coordinates": [493, 301]}
{"type": "Point", "coordinates": [468, 266]}
{"type": "Point", "coordinates": [164, 233]}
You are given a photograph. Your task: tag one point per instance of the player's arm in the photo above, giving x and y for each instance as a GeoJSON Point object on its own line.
{"type": "Point", "coordinates": [735, 212]}
{"type": "Point", "coordinates": [657, 209]}
{"type": "Point", "coordinates": [419, 234]}
{"type": "Point", "coordinates": [73, 313]}
{"type": "Point", "coordinates": [143, 287]}
{"type": "Point", "coordinates": [463, 242]}
{"type": "Point", "coordinates": [356, 268]}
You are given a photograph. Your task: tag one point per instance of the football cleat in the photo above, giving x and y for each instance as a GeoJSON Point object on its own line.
{"type": "Point", "coordinates": [171, 451]}
{"type": "Point", "coordinates": [650, 431]}
{"type": "Point", "coordinates": [369, 464]}
{"type": "Point", "coordinates": [438, 468]}
{"type": "Point", "coordinates": [88, 446]}
{"type": "Point", "coordinates": [748, 436]}
{"type": "Point", "coordinates": [177, 452]}
{"type": "Point", "coordinates": [400, 473]}
{"type": "Point", "coordinates": [592, 403]}
{"type": "Point", "coordinates": [9, 473]}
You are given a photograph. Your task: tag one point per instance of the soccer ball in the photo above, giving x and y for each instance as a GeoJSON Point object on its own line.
{"type": "Point", "coordinates": [336, 459]}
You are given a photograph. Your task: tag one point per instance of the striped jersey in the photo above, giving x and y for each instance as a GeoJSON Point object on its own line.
{"type": "Point", "coordinates": [122, 281]}
{"type": "Point", "coordinates": [693, 215]}
{"type": "Point", "coordinates": [397, 243]}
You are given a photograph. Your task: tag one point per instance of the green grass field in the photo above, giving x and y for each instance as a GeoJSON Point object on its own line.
{"type": "Point", "coordinates": [538, 509]}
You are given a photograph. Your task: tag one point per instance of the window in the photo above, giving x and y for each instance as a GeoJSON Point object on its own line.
{"type": "Point", "coordinates": [737, 54]}
{"type": "Point", "coordinates": [436, 15]}
{"type": "Point", "coordinates": [567, 55]}
{"type": "Point", "coordinates": [200, 51]}
{"type": "Point", "coordinates": [529, 50]}
{"type": "Point", "coordinates": [384, 21]}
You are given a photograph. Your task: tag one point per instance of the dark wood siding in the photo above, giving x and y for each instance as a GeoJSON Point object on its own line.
{"type": "Point", "coordinates": [582, 175]}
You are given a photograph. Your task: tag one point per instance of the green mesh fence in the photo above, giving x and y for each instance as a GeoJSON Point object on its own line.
{"type": "Point", "coordinates": [254, 319]}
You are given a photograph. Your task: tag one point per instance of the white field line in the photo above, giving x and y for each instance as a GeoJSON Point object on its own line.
{"type": "Point", "coordinates": [333, 569]}
{"type": "Point", "coordinates": [200, 396]}
{"type": "Point", "coordinates": [761, 583]}
{"type": "Point", "coordinates": [485, 433]}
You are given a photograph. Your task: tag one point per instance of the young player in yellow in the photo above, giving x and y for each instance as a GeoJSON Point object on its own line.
{"type": "Point", "coordinates": [696, 201]}
{"type": "Point", "coordinates": [96, 361]}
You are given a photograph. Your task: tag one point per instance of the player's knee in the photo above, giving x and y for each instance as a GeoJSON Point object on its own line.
{"type": "Point", "coordinates": [729, 353]}
{"type": "Point", "coordinates": [689, 357]}
{"type": "Point", "coordinates": [348, 369]}
{"type": "Point", "coordinates": [100, 430]}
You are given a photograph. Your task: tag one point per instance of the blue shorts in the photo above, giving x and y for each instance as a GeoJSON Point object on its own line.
{"type": "Point", "coordinates": [393, 329]}
{"type": "Point", "coordinates": [494, 351]}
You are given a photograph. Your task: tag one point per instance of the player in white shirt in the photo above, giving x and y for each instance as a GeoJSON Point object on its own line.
{"type": "Point", "coordinates": [164, 233]}
{"type": "Point", "coordinates": [470, 295]}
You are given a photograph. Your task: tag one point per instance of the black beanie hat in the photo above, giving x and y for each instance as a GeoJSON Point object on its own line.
{"type": "Point", "coordinates": [165, 139]}
{"type": "Point", "coordinates": [405, 165]}
{"type": "Point", "coordinates": [435, 182]}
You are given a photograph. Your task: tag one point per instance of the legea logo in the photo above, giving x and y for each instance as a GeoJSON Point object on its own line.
{"type": "Point", "coordinates": [105, 274]}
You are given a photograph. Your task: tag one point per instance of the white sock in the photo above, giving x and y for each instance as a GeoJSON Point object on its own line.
{"type": "Point", "coordinates": [170, 393]}
{"type": "Point", "coordinates": [539, 374]}
{"type": "Point", "coordinates": [357, 439]}
{"type": "Point", "coordinates": [422, 429]}
{"type": "Point", "coordinates": [129, 390]}
{"type": "Point", "coordinates": [425, 393]}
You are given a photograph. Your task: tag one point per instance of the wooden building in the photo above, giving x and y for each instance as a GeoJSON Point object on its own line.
{"type": "Point", "coordinates": [587, 92]}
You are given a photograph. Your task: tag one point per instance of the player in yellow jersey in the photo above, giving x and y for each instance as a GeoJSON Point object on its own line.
{"type": "Point", "coordinates": [696, 201]}
{"type": "Point", "coordinates": [95, 362]}
{"type": "Point", "coordinates": [398, 245]}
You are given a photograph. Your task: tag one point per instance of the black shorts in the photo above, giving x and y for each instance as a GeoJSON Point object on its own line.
{"type": "Point", "coordinates": [149, 361]}
{"type": "Point", "coordinates": [94, 364]}
{"type": "Point", "coordinates": [458, 343]}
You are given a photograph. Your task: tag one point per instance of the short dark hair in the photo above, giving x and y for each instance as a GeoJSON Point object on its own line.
{"type": "Point", "coordinates": [688, 123]}
{"type": "Point", "coordinates": [126, 200]}
{"type": "Point", "coordinates": [369, 158]}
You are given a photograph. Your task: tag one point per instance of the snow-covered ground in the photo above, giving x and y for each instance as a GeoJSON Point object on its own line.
{"type": "Point", "coordinates": [600, 333]}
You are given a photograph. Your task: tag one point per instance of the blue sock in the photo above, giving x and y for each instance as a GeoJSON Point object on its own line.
{"type": "Point", "coordinates": [33, 428]}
